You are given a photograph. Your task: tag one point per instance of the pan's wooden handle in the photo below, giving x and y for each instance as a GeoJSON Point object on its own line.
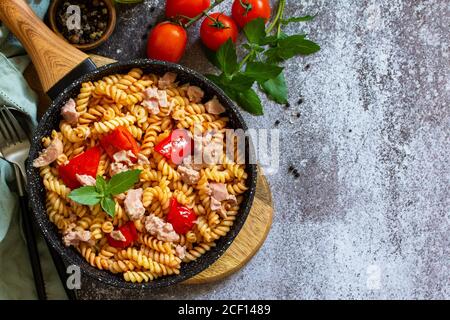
{"type": "Point", "coordinates": [52, 56]}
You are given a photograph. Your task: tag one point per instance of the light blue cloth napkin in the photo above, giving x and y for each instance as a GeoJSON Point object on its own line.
{"type": "Point", "coordinates": [16, 279]}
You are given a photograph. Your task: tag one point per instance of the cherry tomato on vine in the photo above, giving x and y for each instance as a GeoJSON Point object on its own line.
{"type": "Point", "coordinates": [244, 11]}
{"type": "Point", "coordinates": [187, 8]}
{"type": "Point", "coordinates": [167, 41]}
{"type": "Point", "coordinates": [216, 29]}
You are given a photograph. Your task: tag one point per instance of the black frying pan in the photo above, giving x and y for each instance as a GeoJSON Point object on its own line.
{"type": "Point", "coordinates": [62, 69]}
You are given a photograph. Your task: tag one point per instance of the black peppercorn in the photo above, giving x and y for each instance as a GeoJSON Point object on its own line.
{"type": "Point", "coordinates": [93, 24]}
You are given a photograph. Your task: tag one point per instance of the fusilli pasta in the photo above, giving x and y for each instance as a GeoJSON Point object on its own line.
{"type": "Point", "coordinates": [117, 101]}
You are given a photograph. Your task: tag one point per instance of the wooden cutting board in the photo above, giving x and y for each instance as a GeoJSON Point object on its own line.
{"type": "Point", "coordinates": [253, 233]}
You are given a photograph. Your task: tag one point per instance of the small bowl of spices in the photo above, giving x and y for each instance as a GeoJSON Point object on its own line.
{"type": "Point", "coordinates": [84, 24]}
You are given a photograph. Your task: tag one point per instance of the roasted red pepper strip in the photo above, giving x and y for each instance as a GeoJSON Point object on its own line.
{"type": "Point", "coordinates": [176, 146]}
{"type": "Point", "coordinates": [117, 140]}
{"type": "Point", "coordinates": [83, 164]}
{"type": "Point", "coordinates": [181, 217]}
{"type": "Point", "coordinates": [129, 232]}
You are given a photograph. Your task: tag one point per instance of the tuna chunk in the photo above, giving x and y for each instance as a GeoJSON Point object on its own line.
{"type": "Point", "coordinates": [219, 191]}
{"type": "Point", "coordinates": [160, 229]}
{"type": "Point", "coordinates": [154, 99]}
{"type": "Point", "coordinates": [151, 105]}
{"type": "Point", "coordinates": [212, 153]}
{"type": "Point", "coordinates": [151, 93]}
{"type": "Point", "coordinates": [198, 147]}
{"type": "Point", "coordinates": [117, 235]}
{"type": "Point", "coordinates": [195, 94]}
{"type": "Point", "coordinates": [151, 102]}
{"type": "Point", "coordinates": [117, 167]}
{"type": "Point", "coordinates": [73, 238]}
{"type": "Point", "coordinates": [188, 175]}
{"type": "Point", "coordinates": [133, 204]}
{"type": "Point", "coordinates": [122, 160]}
{"type": "Point", "coordinates": [207, 149]}
{"type": "Point", "coordinates": [69, 112]}
{"type": "Point", "coordinates": [190, 163]}
{"type": "Point", "coordinates": [180, 251]}
{"type": "Point", "coordinates": [167, 80]}
{"type": "Point", "coordinates": [85, 180]}
{"type": "Point", "coordinates": [220, 196]}
{"type": "Point", "coordinates": [50, 154]}
{"type": "Point", "coordinates": [124, 157]}
{"type": "Point", "coordinates": [162, 99]}
{"type": "Point", "coordinates": [214, 106]}
{"type": "Point", "coordinates": [215, 204]}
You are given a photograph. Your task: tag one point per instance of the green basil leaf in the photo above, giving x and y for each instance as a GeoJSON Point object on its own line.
{"type": "Point", "coordinates": [227, 58]}
{"type": "Point", "coordinates": [214, 78]}
{"type": "Point", "coordinates": [219, 80]}
{"type": "Point", "coordinates": [85, 195]}
{"type": "Point", "coordinates": [276, 89]}
{"type": "Point", "coordinates": [109, 205]}
{"type": "Point", "coordinates": [262, 71]}
{"type": "Point", "coordinates": [250, 102]}
{"type": "Point", "coordinates": [240, 82]}
{"type": "Point", "coordinates": [255, 30]}
{"type": "Point", "coordinates": [211, 56]}
{"type": "Point", "coordinates": [270, 40]}
{"type": "Point", "coordinates": [230, 92]}
{"type": "Point", "coordinates": [123, 181]}
{"type": "Point", "coordinates": [272, 55]}
{"type": "Point", "coordinates": [297, 19]}
{"type": "Point", "coordinates": [273, 40]}
{"type": "Point", "coordinates": [298, 44]}
{"type": "Point", "coordinates": [100, 185]}
{"type": "Point", "coordinates": [290, 47]}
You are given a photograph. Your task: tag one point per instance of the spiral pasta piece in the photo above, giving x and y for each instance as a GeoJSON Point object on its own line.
{"type": "Point", "coordinates": [107, 126]}
{"type": "Point", "coordinates": [139, 276]}
{"type": "Point", "coordinates": [155, 244]}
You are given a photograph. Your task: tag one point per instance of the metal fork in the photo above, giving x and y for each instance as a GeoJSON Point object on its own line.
{"type": "Point", "coordinates": [14, 147]}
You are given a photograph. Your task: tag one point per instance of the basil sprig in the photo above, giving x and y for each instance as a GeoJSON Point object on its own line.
{"type": "Point", "coordinates": [103, 191]}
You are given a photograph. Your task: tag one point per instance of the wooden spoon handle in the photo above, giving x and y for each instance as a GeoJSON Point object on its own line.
{"type": "Point", "coordinates": [52, 56]}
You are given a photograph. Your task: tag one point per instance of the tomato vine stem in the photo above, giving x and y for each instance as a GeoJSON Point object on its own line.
{"type": "Point", "coordinates": [203, 14]}
{"type": "Point", "coordinates": [277, 20]}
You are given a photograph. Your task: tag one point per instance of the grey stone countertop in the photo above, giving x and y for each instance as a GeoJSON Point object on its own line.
{"type": "Point", "coordinates": [367, 129]}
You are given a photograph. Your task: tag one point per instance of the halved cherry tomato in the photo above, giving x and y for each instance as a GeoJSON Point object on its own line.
{"type": "Point", "coordinates": [244, 11]}
{"type": "Point", "coordinates": [176, 146]}
{"type": "Point", "coordinates": [83, 164]}
{"type": "Point", "coordinates": [181, 217]}
{"type": "Point", "coordinates": [216, 29]}
{"type": "Point", "coordinates": [129, 232]}
{"type": "Point", "coordinates": [186, 8]}
{"type": "Point", "coordinates": [117, 140]}
{"type": "Point", "coordinates": [167, 41]}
